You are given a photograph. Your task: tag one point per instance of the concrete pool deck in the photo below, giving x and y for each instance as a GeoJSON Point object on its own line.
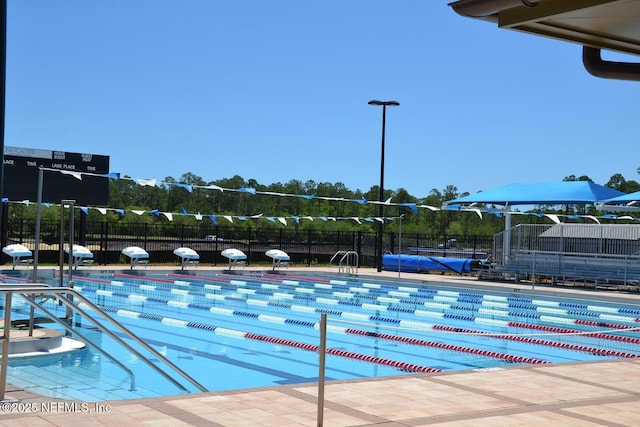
{"type": "Point", "coordinates": [573, 394]}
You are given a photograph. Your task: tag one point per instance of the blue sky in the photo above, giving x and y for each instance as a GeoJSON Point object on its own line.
{"type": "Point", "coordinates": [278, 90]}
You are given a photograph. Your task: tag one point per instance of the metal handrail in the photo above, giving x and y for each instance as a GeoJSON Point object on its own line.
{"type": "Point", "coordinates": [24, 290]}
{"type": "Point", "coordinates": [346, 255]}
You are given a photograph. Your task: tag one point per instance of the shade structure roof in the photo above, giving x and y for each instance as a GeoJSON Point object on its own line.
{"type": "Point", "coordinates": [625, 199]}
{"type": "Point", "coordinates": [545, 193]}
{"type": "Point", "coordinates": [594, 231]}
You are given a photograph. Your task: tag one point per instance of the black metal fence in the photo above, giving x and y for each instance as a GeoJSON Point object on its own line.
{"type": "Point", "coordinates": [106, 241]}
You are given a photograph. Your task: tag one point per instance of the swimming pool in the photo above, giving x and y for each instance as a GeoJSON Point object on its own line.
{"type": "Point", "coordinates": [235, 331]}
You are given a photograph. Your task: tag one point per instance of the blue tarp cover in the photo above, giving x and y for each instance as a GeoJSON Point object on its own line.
{"type": "Point", "coordinates": [418, 263]}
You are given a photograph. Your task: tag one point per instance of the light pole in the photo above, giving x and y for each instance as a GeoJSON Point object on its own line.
{"type": "Point", "coordinates": [384, 105]}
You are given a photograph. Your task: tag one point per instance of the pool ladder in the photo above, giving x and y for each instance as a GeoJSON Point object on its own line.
{"type": "Point", "coordinates": [348, 262]}
{"type": "Point", "coordinates": [30, 292]}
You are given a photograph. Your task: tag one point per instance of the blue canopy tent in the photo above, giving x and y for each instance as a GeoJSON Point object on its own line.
{"type": "Point", "coordinates": [545, 193]}
{"type": "Point", "coordinates": [625, 203]}
{"type": "Point", "coordinates": [542, 193]}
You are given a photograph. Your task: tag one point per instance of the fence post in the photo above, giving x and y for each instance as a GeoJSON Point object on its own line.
{"type": "Point", "coordinates": [249, 244]}
{"type": "Point", "coordinates": [359, 247]}
{"type": "Point", "coordinates": [309, 244]}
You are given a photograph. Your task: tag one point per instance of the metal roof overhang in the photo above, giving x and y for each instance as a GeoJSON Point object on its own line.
{"type": "Point", "coordinates": [595, 24]}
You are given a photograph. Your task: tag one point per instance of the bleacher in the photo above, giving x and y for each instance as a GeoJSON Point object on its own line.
{"type": "Point", "coordinates": [595, 267]}
{"type": "Point", "coordinates": [599, 270]}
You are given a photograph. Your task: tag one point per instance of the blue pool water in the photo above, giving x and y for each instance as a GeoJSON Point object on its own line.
{"type": "Point", "coordinates": [232, 332]}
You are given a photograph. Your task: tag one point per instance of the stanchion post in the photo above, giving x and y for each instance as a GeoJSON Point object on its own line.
{"type": "Point", "coordinates": [5, 343]}
{"type": "Point", "coordinates": [322, 352]}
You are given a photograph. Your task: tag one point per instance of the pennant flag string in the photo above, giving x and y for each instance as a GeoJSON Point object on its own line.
{"type": "Point", "coordinates": [556, 218]}
{"type": "Point", "coordinates": [152, 182]}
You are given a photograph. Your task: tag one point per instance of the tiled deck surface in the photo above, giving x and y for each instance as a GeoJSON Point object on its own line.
{"type": "Point", "coordinates": [577, 394]}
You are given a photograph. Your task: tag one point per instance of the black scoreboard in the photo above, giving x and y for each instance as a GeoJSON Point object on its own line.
{"type": "Point", "coordinates": [21, 167]}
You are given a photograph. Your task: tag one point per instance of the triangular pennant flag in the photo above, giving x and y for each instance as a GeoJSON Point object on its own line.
{"type": "Point", "coordinates": [137, 212]}
{"type": "Point", "coordinates": [213, 219]}
{"type": "Point", "coordinates": [553, 218]}
{"type": "Point", "coordinates": [413, 206]}
{"type": "Point", "coordinates": [155, 212]}
{"type": "Point", "coordinates": [356, 219]}
{"type": "Point", "coordinates": [198, 216]}
{"type": "Point", "coordinates": [282, 220]}
{"type": "Point", "coordinates": [228, 218]}
{"type": "Point", "coordinates": [169, 215]}
{"type": "Point", "coordinates": [186, 187]}
{"type": "Point", "coordinates": [213, 187]}
{"type": "Point", "coordinates": [149, 182]}
{"type": "Point", "coordinates": [103, 211]}
{"type": "Point", "coordinates": [76, 175]}
{"type": "Point", "coordinates": [84, 210]}
{"type": "Point", "coordinates": [431, 208]}
{"type": "Point", "coordinates": [592, 217]}
{"type": "Point", "coordinates": [247, 190]}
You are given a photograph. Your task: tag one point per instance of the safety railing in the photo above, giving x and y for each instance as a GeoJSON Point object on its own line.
{"type": "Point", "coordinates": [65, 296]}
{"type": "Point", "coordinates": [348, 262]}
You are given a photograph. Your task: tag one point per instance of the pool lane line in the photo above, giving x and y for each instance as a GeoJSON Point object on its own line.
{"type": "Point", "coordinates": [459, 317]}
{"type": "Point", "coordinates": [408, 367]}
{"type": "Point", "coordinates": [487, 353]}
{"type": "Point", "coordinates": [283, 320]}
{"type": "Point", "coordinates": [473, 319]}
{"type": "Point", "coordinates": [494, 305]}
{"type": "Point", "coordinates": [348, 331]}
{"type": "Point", "coordinates": [447, 297]}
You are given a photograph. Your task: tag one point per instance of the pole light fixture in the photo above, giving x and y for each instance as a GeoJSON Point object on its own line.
{"type": "Point", "coordinates": [384, 105]}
